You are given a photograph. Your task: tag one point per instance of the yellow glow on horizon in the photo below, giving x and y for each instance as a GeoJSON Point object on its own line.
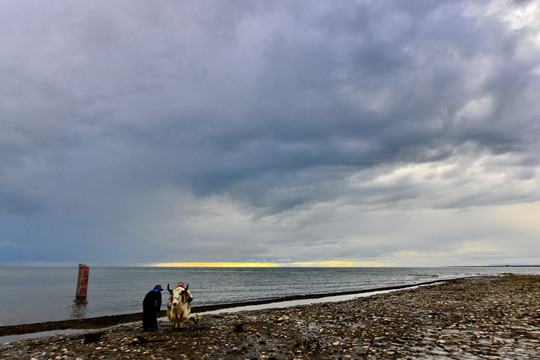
{"type": "Point", "coordinates": [327, 263]}
{"type": "Point", "coordinates": [216, 264]}
{"type": "Point", "coordinates": [338, 263]}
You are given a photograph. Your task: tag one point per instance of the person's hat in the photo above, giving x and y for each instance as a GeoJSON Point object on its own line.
{"type": "Point", "coordinates": [158, 287]}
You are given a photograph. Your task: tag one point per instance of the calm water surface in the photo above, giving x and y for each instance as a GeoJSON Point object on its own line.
{"type": "Point", "coordinates": [35, 294]}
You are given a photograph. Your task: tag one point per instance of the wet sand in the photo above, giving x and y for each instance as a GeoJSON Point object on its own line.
{"type": "Point", "coordinates": [472, 318]}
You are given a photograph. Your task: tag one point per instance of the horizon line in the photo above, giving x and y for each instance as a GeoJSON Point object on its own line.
{"type": "Point", "coordinates": [328, 263]}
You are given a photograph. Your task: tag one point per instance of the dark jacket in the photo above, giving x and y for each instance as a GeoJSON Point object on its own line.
{"type": "Point", "coordinates": [151, 307]}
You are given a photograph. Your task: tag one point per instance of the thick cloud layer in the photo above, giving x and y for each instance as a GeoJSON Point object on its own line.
{"type": "Point", "coordinates": [395, 133]}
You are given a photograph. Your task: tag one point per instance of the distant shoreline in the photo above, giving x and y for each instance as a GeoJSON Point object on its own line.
{"type": "Point", "coordinates": [489, 266]}
{"type": "Point", "coordinates": [112, 320]}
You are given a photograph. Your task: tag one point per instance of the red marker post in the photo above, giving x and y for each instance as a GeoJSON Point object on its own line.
{"type": "Point", "coordinates": [82, 281]}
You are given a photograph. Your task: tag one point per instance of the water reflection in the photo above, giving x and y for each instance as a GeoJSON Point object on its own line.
{"type": "Point", "coordinates": [77, 310]}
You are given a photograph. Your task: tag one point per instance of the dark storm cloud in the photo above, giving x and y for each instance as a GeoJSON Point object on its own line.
{"type": "Point", "coordinates": [275, 107]}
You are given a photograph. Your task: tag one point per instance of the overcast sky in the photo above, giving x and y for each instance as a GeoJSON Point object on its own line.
{"type": "Point", "coordinates": [397, 133]}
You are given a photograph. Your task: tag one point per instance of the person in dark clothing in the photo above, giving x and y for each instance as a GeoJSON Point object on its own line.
{"type": "Point", "coordinates": [151, 307]}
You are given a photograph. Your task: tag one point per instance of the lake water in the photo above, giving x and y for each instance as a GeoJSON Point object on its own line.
{"type": "Point", "coordinates": [36, 294]}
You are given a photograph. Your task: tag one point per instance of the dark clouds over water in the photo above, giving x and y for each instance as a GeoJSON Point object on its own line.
{"type": "Point", "coordinates": [401, 133]}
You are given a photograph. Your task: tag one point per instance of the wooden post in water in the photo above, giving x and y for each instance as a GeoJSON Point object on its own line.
{"type": "Point", "coordinates": [82, 282]}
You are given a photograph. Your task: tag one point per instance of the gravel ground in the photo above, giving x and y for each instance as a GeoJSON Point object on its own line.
{"type": "Point", "coordinates": [473, 318]}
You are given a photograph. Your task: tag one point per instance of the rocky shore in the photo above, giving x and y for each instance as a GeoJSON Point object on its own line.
{"type": "Point", "coordinates": [473, 318]}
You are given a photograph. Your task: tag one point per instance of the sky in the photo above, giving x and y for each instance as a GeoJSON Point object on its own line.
{"type": "Point", "coordinates": [278, 133]}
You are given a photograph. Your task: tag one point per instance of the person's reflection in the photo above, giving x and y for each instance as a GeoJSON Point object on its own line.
{"type": "Point", "coordinates": [78, 308]}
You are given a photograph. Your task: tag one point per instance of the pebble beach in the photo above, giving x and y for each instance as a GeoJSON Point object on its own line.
{"type": "Point", "coordinates": [494, 317]}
